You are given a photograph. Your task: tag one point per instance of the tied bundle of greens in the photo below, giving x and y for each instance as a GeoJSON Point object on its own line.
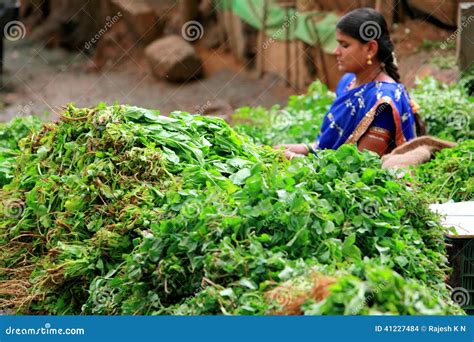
{"type": "Point", "coordinates": [449, 176]}
{"type": "Point", "coordinates": [118, 210]}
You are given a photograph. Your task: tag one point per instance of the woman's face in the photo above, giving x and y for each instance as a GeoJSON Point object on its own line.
{"type": "Point", "coordinates": [351, 54]}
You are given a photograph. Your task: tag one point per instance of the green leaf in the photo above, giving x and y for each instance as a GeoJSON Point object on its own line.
{"type": "Point", "coordinates": [331, 171]}
{"type": "Point", "coordinates": [349, 249]}
{"type": "Point", "coordinates": [227, 293]}
{"type": "Point", "coordinates": [368, 176]}
{"type": "Point", "coordinates": [239, 177]}
{"type": "Point", "coordinates": [329, 227]}
{"type": "Point", "coordinates": [247, 283]}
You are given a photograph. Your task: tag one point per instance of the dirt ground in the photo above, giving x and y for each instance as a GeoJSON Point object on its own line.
{"type": "Point", "coordinates": [419, 53]}
{"type": "Point", "coordinates": [39, 80]}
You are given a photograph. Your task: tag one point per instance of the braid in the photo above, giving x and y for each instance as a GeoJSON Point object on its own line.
{"type": "Point", "coordinates": [386, 55]}
{"type": "Point", "coordinates": [392, 70]}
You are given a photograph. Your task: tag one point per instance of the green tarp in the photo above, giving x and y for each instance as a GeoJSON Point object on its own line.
{"type": "Point", "coordinates": [320, 24]}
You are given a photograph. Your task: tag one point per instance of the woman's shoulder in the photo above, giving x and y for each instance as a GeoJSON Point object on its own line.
{"type": "Point", "coordinates": [385, 78]}
{"type": "Point", "coordinates": [344, 82]}
{"type": "Point", "coordinates": [346, 79]}
{"type": "Point", "coordinates": [394, 90]}
{"type": "Point", "coordinates": [385, 81]}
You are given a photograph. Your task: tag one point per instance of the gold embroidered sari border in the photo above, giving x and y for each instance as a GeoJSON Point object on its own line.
{"type": "Point", "coordinates": [365, 123]}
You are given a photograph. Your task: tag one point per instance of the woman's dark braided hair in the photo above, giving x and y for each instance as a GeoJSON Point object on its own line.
{"type": "Point", "coordinates": [366, 24]}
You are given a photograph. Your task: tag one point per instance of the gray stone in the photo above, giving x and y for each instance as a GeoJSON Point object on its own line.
{"type": "Point", "coordinates": [174, 59]}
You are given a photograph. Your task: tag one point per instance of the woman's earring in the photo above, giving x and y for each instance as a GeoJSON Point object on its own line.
{"type": "Point", "coordinates": [369, 60]}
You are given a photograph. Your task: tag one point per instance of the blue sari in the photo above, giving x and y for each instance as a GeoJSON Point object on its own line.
{"type": "Point", "coordinates": [380, 104]}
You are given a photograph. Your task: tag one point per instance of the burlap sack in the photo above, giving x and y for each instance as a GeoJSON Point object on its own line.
{"type": "Point", "coordinates": [415, 152]}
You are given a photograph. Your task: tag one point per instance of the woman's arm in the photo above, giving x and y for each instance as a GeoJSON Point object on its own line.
{"type": "Point", "coordinates": [291, 150]}
{"type": "Point", "coordinates": [296, 148]}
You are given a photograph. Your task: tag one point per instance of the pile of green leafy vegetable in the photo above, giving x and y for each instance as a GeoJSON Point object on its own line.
{"type": "Point", "coordinates": [10, 134]}
{"type": "Point", "coordinates": [368, 289]}
{"type": "Point", "coordinates": [447, 110]}
{"type": "Point", "coordinates": [117, 210]}
{"type": "Point", "coordinates": [449, 175]}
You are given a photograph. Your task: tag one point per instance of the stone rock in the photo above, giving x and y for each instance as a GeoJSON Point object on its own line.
{"type": "Point", "coordinates": [174, 59]}
{"type": "Point", "coordinates": [141, 18]}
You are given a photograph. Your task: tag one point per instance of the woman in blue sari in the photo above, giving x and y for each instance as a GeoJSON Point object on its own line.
{"type": "Point", "coordinates": [372, 109]}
